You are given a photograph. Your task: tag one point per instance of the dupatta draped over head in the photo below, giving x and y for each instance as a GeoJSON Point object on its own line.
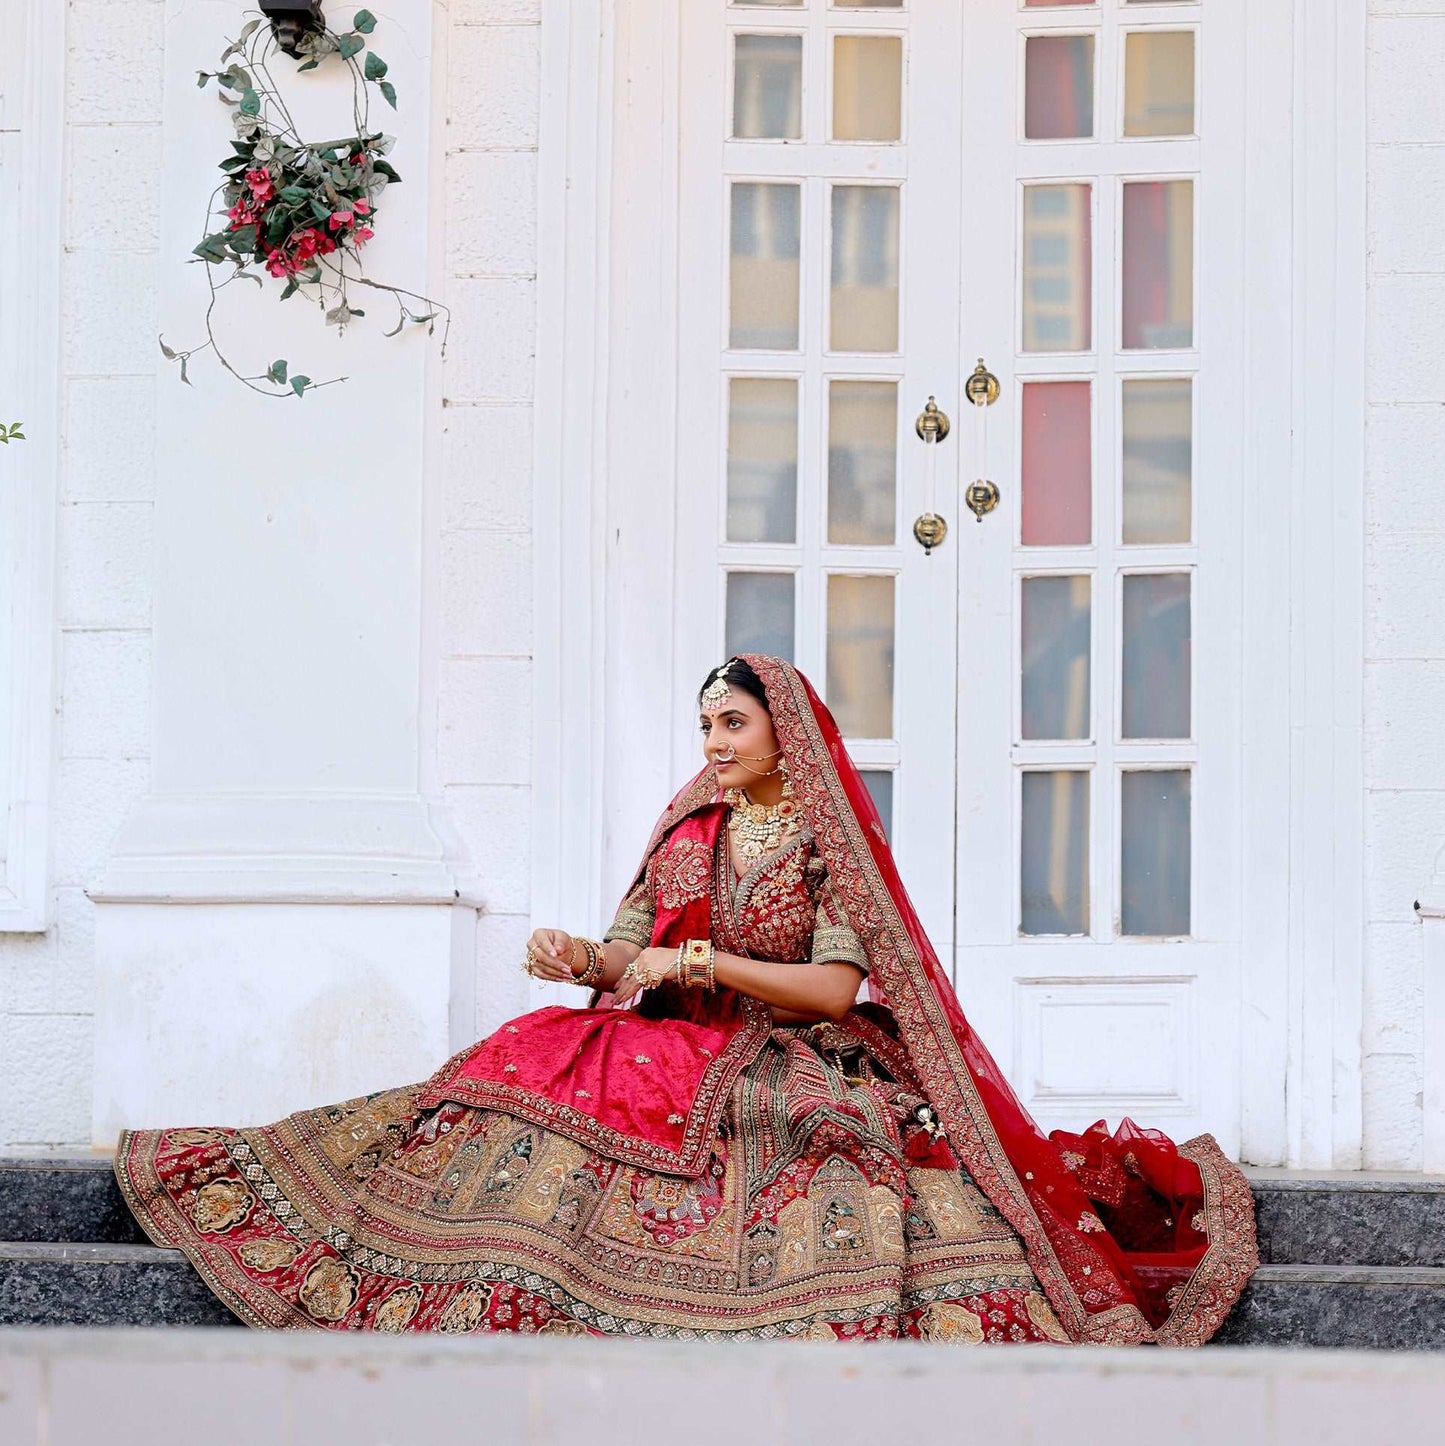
{"type": "Point", "coordinates": [1133, 1238]}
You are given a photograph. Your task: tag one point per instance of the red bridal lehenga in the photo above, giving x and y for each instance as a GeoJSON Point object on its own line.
{"type": "Point", "coordinates": [686, 1168]}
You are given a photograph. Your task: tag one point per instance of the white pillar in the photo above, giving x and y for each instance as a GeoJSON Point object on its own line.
{"type": "Point", "coordinates": [1431, 909]}
{"type": "Point", "coordinates": [283, 920]}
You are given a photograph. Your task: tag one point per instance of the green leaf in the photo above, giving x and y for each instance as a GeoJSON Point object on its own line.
{"type": "Point", "coordinates": [389, 91]}
{"type": "Point", "coordinates": [299, 384]}
{"type": "Point", "coordinates": [249, 276]}
{"type": "Point", "coordinates": [294, 195]}
{"type": "Point", "coordinates": [400, 322]}
{"type": "Point", "coordinates": [375, 66]}
{"type": "Point", "coordinates": [167, 352]}
{"type": "Point", "coordinates": [248, 30]}
{"type": "Point", "coordinates": [350, 45]}
{"type": "Point", "coordinates": [213, 248]}
{"type": "Point", "coordinates": [244, 148]}
{"type": "Point", "coordinates": [243, 238]}
{"type": "Point", "coordinates": [364, 21]}
{"type": "Point", "coordinates": [320, 210]}
{"type": "Point", "coordinates": [385, 168]}
{"type": "Point", "coordinates": [276, 372]}
{"type": "Point", "coordinates": [250, 103]}
{"type": "Point", "coordinates": [290, 290]}
{"type": "Point", "coordinates": [309, 65]}
{"type": "Point", "coordinates": [202, 76]}
{"type": "Point", "coordinates": [184, 377]}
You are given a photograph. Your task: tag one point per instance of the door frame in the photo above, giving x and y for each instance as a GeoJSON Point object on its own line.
{"type": "Point", "coordinates": [606, 525]}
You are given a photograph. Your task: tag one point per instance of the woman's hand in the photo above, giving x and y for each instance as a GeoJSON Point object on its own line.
{"type": "Point", "coordinates": [650, 967]}
{"type": "Point", "coordinates": [551, 953]}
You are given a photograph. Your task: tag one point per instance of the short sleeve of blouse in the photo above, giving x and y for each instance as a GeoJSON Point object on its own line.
{"type": "Point", "coordinates": [833, 936]}
{"type": "Point", "coordinates": [636, 914]}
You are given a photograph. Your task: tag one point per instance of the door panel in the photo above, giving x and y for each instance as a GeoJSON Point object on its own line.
{"type": "Point", "coordinates": [874, 198]}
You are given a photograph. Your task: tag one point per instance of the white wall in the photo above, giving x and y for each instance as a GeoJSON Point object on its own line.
{"type": "Point", "coordinates": [1404, 554]}
{"type": "Point", "coordinates": [471, 709]}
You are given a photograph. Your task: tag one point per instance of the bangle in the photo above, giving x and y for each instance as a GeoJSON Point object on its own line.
{"type": "Point", "coordinates": [596, 964]}
{"type": "Point", "coordinates": [692, 955]}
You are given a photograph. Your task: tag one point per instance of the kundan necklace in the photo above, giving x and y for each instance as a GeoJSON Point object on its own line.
{"type": "Point", "coordinates": [758, 829]}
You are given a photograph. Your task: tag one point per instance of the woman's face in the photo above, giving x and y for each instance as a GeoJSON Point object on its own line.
{"type": "Point", "coordinates": [740, 729]}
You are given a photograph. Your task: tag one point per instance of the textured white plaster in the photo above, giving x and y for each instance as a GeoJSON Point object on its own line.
{"type": "Point", "coordinates": [1404, 602]}
{"type": "Point", "coordinates": [1404, 448]}
{"type": "Point", "coordinates": [109, 440]}
{"type": "Point", "coordinates": [487, 461]}
{"type": "Point", "coordinates": [45, 1070]}
{"type": "Point", "coordinates": [485, 733]}
{"type": "Point", "coordinates": [105, 564]}
{"type": "Point", "coordinates": [1405, 342]}
{"type": "Point", "coordinates": [1406, 100]}
{"type": "Point", "coordinates": [109, 323]}
{"type": "Point", "coordinates": [487, 593]}
{"type": "Point", "coordinates": [495, 825]}
{"type": "Point", "coordinates": [1404, 713]}
{"type": "Point", "coordinates": [499, 364]}
{"type": "Point", "coordinates": [115, 60]}
{"type": "Point", "coordinates": [1392, 1111]}
{"type": "Point", "coordinates": [492, 89]}
{"type": "Point", "coordinates": [1403, 832]}
{"type": "Point", "coordinates": [105, 694]}
{"type": "Point", "coordinates": [92, 797]}
{"type": "Point", "coordinates": [492, 212]}
{"type": "Point", "coordinates": [112, 186]}
{"type": "Point", "coordinates": [1394, 989]}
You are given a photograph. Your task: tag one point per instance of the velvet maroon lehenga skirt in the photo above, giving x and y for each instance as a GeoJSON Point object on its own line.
{"type": "Point", "coordinates": [824, 1209]}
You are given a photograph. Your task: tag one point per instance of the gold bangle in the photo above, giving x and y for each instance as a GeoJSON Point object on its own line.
{"type": "Point", "coordinates": [695, 952]}
{"type": "Point", "coordinates": [596, 963]}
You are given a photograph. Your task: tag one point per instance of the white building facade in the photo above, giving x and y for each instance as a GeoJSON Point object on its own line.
{"type": "Point", "coordinates": [318, 706]}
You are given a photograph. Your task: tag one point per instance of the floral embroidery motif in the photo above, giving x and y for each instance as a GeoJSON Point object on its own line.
{"type": "Point", "coordinates": [398, 1310]}
{"type": "Point", "coordinates": [1088, 1221]}
{"type": "Point", "coordinates": [221, 1205]}
{"type": "Point", "coordinates": [683, 872]}
{"type": "Point", "coordinates": [642, 1059]}
{"type": "Point", "coordinates": [330, 1289]}
{"type": "Point", "coordinates": [269, 1255]}
{"type": "Point", "coordinates": [676, 1119]}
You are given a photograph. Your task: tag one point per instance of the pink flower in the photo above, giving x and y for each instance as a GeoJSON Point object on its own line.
{"type": "Point", "coordinates": [341, 218]}
{"type": "Point", "coordinates": [278, 263]}
{"type": "Point", "coordinates": [362, 233]}
{"type": "Point", "coordinates": [261, 185]}
{"type": "Point", "coordinates": [242, 215]}
{"type": "Point", "coordinates": [362, 207]}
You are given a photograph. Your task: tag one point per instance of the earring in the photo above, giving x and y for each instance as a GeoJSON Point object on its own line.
{"type": "Point", "coordinates": [787, 782]}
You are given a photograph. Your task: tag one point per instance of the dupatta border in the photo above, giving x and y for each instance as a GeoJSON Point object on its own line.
{"type": "Point", "coordinates": [1233, 1254]}
{"type": "Point", "coordinates": [941, 1064]}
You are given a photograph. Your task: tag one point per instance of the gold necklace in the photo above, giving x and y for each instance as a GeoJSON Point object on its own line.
{"type": "Point", "coordinates": [758, 829]}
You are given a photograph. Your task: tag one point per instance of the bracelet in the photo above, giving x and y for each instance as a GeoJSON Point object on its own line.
{"type": "Point", "coordinates": [696, 954]}
{"type": "Point", "coordinates": [596, 964]}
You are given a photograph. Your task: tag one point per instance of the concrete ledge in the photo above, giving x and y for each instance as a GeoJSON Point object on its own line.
{"type": "Point", "coordinates": [73, 1388]}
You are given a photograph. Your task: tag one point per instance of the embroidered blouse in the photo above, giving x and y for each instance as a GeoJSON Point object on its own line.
{"type": "Point", "coordinates": [784, 908]}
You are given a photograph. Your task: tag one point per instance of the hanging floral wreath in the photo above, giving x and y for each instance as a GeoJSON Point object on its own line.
{"type": "Point", "coordinates": [301, 211]}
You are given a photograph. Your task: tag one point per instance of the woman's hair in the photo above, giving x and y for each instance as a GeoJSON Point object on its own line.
{"type": "Point", "coordinates": [740, 675]}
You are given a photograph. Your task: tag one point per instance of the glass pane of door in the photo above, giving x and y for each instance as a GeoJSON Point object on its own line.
{"type": "Point", "coordinates": [1057, 268]}
{"type": "Point", "coordinates": [762, 459]}
{"type": "Point", "coordinates": [860, 655]}
{"type": "Point", "coordinates": [765, 265]}
{"type": "Point", "coordinates": [863, 298]}
{"type": "Point", "coordinates": [1054, 863]}
{"type": "Point", "coordinates": [759, 612]}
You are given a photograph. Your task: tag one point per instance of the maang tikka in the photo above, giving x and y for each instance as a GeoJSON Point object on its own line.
{"type": "Point", "coordinates": [717, 694]}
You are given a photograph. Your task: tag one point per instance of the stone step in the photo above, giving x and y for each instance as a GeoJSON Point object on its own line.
{"type": "Point", "coordinates": [1374, 1307]}
{"type": "Point", "coordinates": [1349, 1218]}
{"type": "Point", "coordinates": [66, 1283]}
{"type": "Point", "coordinates": [1340, 1219]}
{"type": "Point", "coordinates": [57, 1198]}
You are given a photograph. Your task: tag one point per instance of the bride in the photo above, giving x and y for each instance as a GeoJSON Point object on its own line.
{"type": "Point", "coordinates": [723, 1143]}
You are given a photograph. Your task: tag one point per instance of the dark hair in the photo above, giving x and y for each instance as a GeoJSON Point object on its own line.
{"type": "Point", "coordinates": [740, 675]}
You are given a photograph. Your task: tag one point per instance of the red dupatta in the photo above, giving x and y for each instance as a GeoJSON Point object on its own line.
{"type": "Point", "coordinates": [1133, 1238]}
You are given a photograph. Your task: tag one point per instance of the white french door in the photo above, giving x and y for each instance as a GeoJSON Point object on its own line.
{"type": "Point", "coordinates": [876, 201]}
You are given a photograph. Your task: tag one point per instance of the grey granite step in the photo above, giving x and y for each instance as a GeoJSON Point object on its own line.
{"type": "Point", "coordinates": [1375, 1307]}
{"type": "Point", "coordinates": [1344, 1219]}
{"type": "Point", "coordinates": [1364, 1306]}
{"type": "Point", "coordinates": [1350, 1218]}
{"type": "Point", "coordinates": [95, 1285]}
{"type": "Point", "coordinates": [56, 1198]}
